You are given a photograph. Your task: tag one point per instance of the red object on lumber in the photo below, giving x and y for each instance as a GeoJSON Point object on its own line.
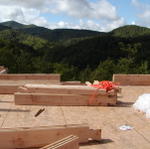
{"type": "Point", "coordinates": [107, 85]}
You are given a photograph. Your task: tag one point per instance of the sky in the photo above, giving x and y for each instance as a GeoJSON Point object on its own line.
{"type": "Point", "coordinates": [99, 15]}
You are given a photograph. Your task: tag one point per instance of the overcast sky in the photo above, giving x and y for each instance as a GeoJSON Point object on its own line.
{"type": "Point", "coordinates": [101, 15]}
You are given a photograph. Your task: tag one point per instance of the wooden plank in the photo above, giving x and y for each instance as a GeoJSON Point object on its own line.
{"type": "Point", "coordinates": [132, 79]}
{"type": "Point", "coordinates": [61, 89]}
{"type": "Point", "coordinates": [9, 83]}
{"type": "Point", "coordinates": [11, 138]}
{"type": "Point", "coordinates": [30, 77]}
{"type": "Point", "coordinates": [70, 142]}
{"type": "Point", "coordinates": [63, 99]}
{"type": "Point", "coordinates": [72, 83]}
{"type": "Point", "coordinates": [5, 106]}
{"type": "Point", "coordinates": [8, 88]}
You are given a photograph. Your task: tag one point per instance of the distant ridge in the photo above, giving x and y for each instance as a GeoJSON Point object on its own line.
{"type": "Point", "coordinates": [48, 34]}
{"type": "Point", "coordinates": [12, 24]}
{"type": "Point", "coordinates": [130, 31]}
{"type": "Point", "coordinates": [4, 27]}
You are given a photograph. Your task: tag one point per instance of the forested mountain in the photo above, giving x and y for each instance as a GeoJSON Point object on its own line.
{"type": "Point", "coordinates": [3, 27]}
{"type": "Point", "coordinates": [50, 35]}
{"type": "Point", "coordinates": [12, 24]}
{"type": "Point", "coordinates": [123, 50]}
{"type": "Point", "coordinates": [130, 31]}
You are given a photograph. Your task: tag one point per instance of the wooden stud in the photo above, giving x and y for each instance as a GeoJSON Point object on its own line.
{"type": "Point", "coordinates": [30, 77]}
{"type": "Point", "coordinates": [132, 79]}
{"type": "Point", "coordinates": [64, 99]}
{"type": "Point", "coordinates": [66, 95]}
{"type": "Point", "coordinates": [29, 137]}
{"type": "Point", "coordinates": [70, 142]}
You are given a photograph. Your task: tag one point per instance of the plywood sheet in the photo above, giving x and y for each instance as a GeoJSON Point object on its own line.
{"type": "Point", "coordinates": [109, 119]}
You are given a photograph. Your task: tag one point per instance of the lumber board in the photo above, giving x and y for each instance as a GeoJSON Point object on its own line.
{"type": "Point", "coordinates": [132, 79]}
{"type": "Point", "coordinates": [70, 142]}
{"type": "Point", "coordinates": [72, 83]}
{"type": "Point", "coordinates": [63, 99]}
{"type": "Point", "coordinates": [9, 83]}
{"type": "Point", "coordinates": [28, 137]}
{"type": "Point", "coordinates": [8, 88]}
{"type": "Point", "coordinates": [29, 76]}
{"type": "Point", "coordinates": [62, 89]}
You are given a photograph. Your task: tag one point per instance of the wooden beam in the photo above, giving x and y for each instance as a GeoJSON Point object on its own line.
{"type": "Point", "coordinates": [29, 137]}
{"type": "Point", "coordinates": [60, 89]}
{"type": "Point", "coordinates": [21, 79]}
{"type": "Point", "coordinates": [72, 83]}
{"type": "Point", "coordinates": [64, 89]}
{"type": "Point", "coordinates": [8, 88]}
{"type": "Point", "coordinates": [132, 79]}
{"type": "Point", "coordinates": [64, 99]}
{"type": "Point", "coordinates": [29, 76]}
{"type": "Point", "coordinates": [70, 142]}
{"type": "Point", "coordinates": [9, 83]}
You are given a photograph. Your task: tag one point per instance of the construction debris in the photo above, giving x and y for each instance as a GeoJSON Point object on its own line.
{"type": "Point", "coordinates": [3, 70]}
{"type": "Point", "coordinates": [143, 104]}
{"type": "Point", "coordinates": [39, 112]}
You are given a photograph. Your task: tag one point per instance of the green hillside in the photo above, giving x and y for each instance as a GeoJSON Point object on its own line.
{"type": "Point", "coordinates": [130, 31]}
{"type": "Point", "coordinates": [3, 28]}
{"type": "Point", "coordinates": [12, 24]}
{"type": "Point", "coordinates": [123, 50]}
{"type": "Point", "coordinates": [50, 35]}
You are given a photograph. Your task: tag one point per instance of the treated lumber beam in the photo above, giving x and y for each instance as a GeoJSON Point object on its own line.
{"type": "Point", "coordinates": [8, 88]}
{"type": "Point", "coordinates": [30, 137]}
{"type": "Point", "coordinates": [30, 77]}
{"type": "Point", "coordinates": [22, 79]}
{"type": "Point", "coordinates": [64, 99]}
{"type": "Point", "coordinates": [132, 79]}
{"type": "Point", "coordinates": [70, 142]}
{"type": "Point", "coordinates": [62, 89]}
{"type": "Point", "coordinates": [71, 83]}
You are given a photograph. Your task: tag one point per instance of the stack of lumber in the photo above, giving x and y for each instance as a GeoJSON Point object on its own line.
{"type": "Point", "coordinates": [32, 137]}
{"type": "Point", "coordinates": [70, 142]}
{"type": "Point", "coordinates": [10, 82]}
{"type": "Point", "coordinates": [132, 79]}
{"type": "Point", "coordinates": [63, 95]}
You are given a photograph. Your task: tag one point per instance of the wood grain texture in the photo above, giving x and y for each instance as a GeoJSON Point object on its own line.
{"type": "Point", "coordinates": [132, 79]}
{"type": "Point", "coordinates": [27, 137]}
{"type": "Point", "coordinates": [65, 95]}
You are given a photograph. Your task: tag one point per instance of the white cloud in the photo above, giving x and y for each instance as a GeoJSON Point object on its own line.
{"type": "Point", "coordinates": [100, 15]}
{"type": "Point", "coordinates": [24, 3]}
{"type": "Point", "coordinates": [115, 24]}
{"type": "Point", "coordinates": [133, 22]}
{"type": "Point", "coordinates": [101, 9]}
{"type": "Point", "coordinates": [143, 13]}
{"type": "Point", "coordinates": [22, 15]}
{"type": "Point", "coordinates": [89, 24]}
